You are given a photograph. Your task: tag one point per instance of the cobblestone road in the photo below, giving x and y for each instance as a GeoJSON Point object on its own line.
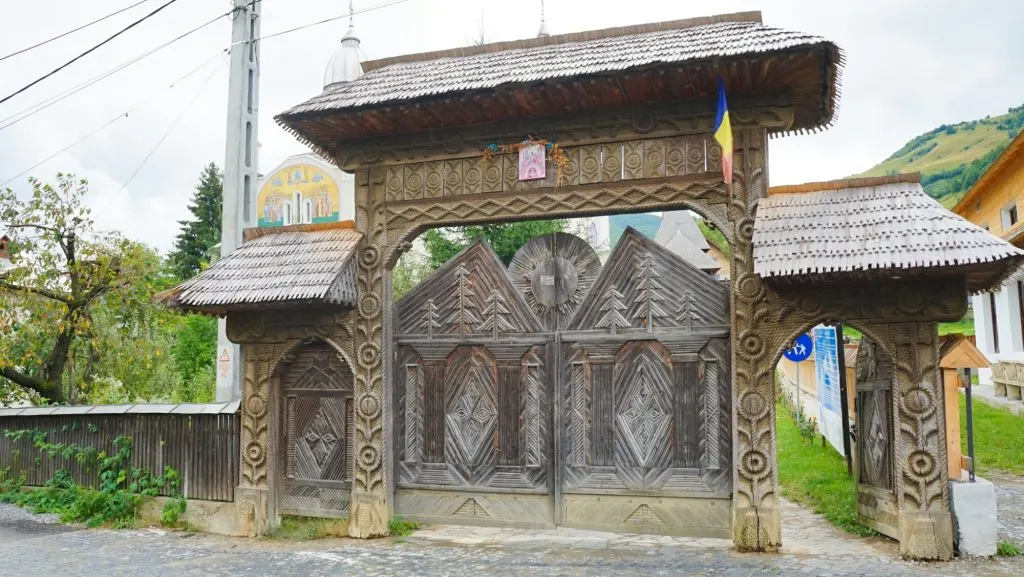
{"type": "Point", "coordinates": [31, 548]}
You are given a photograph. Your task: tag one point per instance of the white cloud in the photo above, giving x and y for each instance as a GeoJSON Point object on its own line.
{"type": "Point", "coordinates": [911, 66]}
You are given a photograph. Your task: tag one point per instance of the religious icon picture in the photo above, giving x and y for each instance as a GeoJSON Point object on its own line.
{"type": "Point", "coordinates": [532, 162]}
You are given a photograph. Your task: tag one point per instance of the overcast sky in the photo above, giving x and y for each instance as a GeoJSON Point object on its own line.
{"type": "Point", "coordinates": [910, 67]}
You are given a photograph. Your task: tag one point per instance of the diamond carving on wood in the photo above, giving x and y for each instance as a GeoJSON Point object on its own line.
{"type": "Point", "coordinates": [320, 437]}
{"type": "Point", "coordinates": [473, 416]}
{"type": "Point", "coordinates": [644, 419]}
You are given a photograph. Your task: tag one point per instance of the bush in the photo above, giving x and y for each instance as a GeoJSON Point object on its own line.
{"type": "Point", "coordinates": [399, 527]}
{"type": "Point", "coordinates": [172, 512]}
{"type": "Point", "coordinates": [116, 503]}
{"type": "Point", "coordinates": [1008, 549]}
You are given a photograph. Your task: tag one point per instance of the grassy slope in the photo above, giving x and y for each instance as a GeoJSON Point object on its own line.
{"type": "Point", "coordinates": [944, 155]}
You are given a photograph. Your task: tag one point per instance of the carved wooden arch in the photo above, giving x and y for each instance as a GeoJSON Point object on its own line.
{"type": "Point", "coordinates": [407, 220]}
{"type": "Point", "coordinates": [287, 356]}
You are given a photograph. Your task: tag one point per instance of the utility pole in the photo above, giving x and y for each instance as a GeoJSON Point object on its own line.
{"type": "Point", "coordinates": [240, 172]}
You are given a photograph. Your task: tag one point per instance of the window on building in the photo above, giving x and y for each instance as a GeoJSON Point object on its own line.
{"type": "Point", "coordinates": [307, 211]}
{"type": "Point", "coordinates": [995, 321]}
{"type": "Point", "coordinates": [287, 213]}
{"type": "Point", "coordinates": [1009, 215]}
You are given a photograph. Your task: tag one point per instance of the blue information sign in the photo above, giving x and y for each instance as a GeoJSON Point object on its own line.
{"type": "Point", "coordinates": [801, 349]}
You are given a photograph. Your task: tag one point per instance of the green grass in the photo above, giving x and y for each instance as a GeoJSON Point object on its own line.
{"type": "Point", "coordinates": [815, 476]}
{"type": "Point", "coordinates": [964, 326]}
{"type": "Point", "coordinates": [714, 236]}
{"type": "Point", "coordinates": [998, 438]}
{"type": "Point", "coordinates": [1008, 549]}
{"type": "Point", "coordinates": [309, 528]}
{"type": "Point", "coordinates": [399, 527]}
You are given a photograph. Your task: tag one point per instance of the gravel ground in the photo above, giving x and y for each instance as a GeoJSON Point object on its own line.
{"type": "Point", "coordinates": [30, 548]}
{"type": "Point", "coordinates": [1010, 503]}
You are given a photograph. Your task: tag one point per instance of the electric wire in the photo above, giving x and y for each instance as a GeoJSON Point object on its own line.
{"type": "Point", "coordinates": [170, 128]}
{"type": "Point", "coordinates": [325, 21]}
{"type": "Point", "coordinates": [151, 98]}
{"type": "Point", "coordinates": [87, 52]}
{"type": "Point", "coordinates": [62, 35]}
{"type": "Point", "coordinates": [40, 106]}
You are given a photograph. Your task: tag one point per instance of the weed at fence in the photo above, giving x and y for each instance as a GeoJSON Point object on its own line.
{"type": "Point", "coordinates": [117, 500]}
{"type": "Point", "coordinates": [294, 528]}
{"type": "Point", "coordinates": [399, 527]}
{"type": "Point", "coordinates": [1008, 549]}
{"type": "Point", "coordinates": [172, 511]}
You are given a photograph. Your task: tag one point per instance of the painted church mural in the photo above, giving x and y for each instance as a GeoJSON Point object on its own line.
{"type": "Point", "coordinates": [298, 194]}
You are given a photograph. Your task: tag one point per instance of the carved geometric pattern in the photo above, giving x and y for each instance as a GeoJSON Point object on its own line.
{"type": "Point", "coordinates": [712, 417]}
{"type": "Point", "coordinates": [649, 294]}
{"type": "Point", "coordinates": [413, 412]}
{"type": "Point", "coordinates": [579, 419]}
{"type": "Point", "coordinates": [643, 389]}
{"type": "Point", "coordinates": [320, 437]}
{"type": "Point", "coordinates": [643, 515]}
{"type": "Point", "coordinates": [495, 315]}
{"type": "Point", "coordinates": [531, 415]}
{"type": "Point", "coordinates": [471, 420]}
{"type": "Point", "coordinates": [471, 508]}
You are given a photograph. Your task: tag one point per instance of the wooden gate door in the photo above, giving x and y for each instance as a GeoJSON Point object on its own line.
{"type": "Point", "coordinates": [645, 398]}
{"type": "Point", "coordinates": [316, 433]}
{"type": "Point", "coordinates": [472, 399]}
{"type": "Point", "coordinates": [876, 492]}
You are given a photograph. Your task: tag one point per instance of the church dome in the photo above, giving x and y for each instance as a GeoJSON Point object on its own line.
{"type": "Point", "coordinates": [344, 65]}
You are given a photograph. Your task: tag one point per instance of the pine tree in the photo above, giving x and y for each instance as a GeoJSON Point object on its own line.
{"type": "Point", "coordinates": [612, 308]}
{"type": "Point", "coordinates": [430, 318]}
{"type": "Point", "coordinates": [201, 232]}
{"type": "Point", "coordinates": [463, 312]}
{"type": "Point", "coordinates": [687, 313]}
{"type": "Point", "coordinates": [496, 315]}
{"type": "Point", "coordinates": [649, 294]}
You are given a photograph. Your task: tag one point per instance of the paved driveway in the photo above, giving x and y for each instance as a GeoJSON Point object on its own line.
{"type": "Point", "coordinates": [31, 548]}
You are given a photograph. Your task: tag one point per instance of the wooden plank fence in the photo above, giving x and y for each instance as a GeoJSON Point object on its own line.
{"type": "Point", "coordinates": [201, 442]}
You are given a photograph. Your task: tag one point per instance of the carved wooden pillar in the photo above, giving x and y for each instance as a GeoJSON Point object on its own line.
{"type": "Point", "coordinates": [252, 498]}
{"type": "Point", "coordinates": [922, 480]}
{"type": "Point", "coordinates": [369, 509]}
{"type": "Point", "coordinates": [755, 524]}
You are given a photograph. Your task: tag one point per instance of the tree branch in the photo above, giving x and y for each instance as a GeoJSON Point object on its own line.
{"type": "Point", "coordinates": [36, 291]}
{"type": "Point", "coordinates": [37, 227]}
{"type": "Point", "coordinates": [38, 385]}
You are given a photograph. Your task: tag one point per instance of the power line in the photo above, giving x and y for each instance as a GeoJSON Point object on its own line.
{"type": "Point", "coordinates": [40, 106]}
{"type": "Point", "coordinates": [87, 52]}
{"type": "Point", "coordinates": [326, 20]}
{"type": "Point", "coordinates": [169, 129]}
{"type": "Point", "coordinates": [154, 96]}
{"type": "Point", "coordinates": [82, 27]}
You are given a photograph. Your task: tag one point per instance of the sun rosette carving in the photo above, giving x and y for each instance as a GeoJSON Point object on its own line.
{"type": "Point", "coordinates": [921, 464]}
{"type": "Point", "coordinates": [369, 354]}
{"type": "Point", "coordinates": [919, 402]}
{"type": "Point", "coordinates": [754, 465]}
{"type": "Point", "coordinates": [369, 406]}
{"type": "Point", "coordinates": [554, 273]}
{"type": "Point", "coordinates": [753, 406]}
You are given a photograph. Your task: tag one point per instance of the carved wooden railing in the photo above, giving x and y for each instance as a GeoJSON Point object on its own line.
{"type": "Point", "coordinates": [1008, 379]}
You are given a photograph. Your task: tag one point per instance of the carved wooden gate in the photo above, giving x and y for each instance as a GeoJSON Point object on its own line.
{"type": "Point", "coordinates": [315, 432]}
{"type": "Point", "coordinates": [876, 487]}
{"type": "Point", "coordinates": [559, 392]}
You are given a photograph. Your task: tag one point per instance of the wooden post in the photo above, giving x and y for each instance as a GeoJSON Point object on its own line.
{"type": "Point", "coordinates": [951, 386]}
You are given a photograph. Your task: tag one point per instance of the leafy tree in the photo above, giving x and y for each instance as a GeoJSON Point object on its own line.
{"type": "Point", "coordinates": [194, 351]}
{"type": "Point", "coordinates": [76, 292]}
{"type": "Point", "coordinates": [202, 232]}
{"type": "Point", "coordinates": [505, 239]}
{"type": "Point", "coordinates": [412, 268]}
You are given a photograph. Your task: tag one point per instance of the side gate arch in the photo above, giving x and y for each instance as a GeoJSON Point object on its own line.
{"type": "Point", "coordinates": [613, 412]}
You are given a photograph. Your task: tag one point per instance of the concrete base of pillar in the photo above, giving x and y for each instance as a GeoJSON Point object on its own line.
{"type": "Point", "coordinates": [756, 528]}
{"type": "Point", "coordinates": [253, 511]}
{"type": "Point", "coordinates": [974, 510]}
{"type": "Point", "coordinates": [926, 536]}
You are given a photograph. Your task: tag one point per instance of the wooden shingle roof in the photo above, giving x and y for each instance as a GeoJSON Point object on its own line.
{"type": "Point", "coordinates": [562, 74]}
{"type": "Point", "coordinates": [274, 267]}
{"type": "Point", "coordinates": [887, 225]}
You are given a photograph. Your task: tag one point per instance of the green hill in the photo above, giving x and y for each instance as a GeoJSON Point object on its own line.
{"type": "Point", "coordinates": [952, 157]}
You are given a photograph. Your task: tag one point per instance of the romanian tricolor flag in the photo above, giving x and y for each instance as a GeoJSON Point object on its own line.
{"type": "Point", "coordinates": [723, 133]}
